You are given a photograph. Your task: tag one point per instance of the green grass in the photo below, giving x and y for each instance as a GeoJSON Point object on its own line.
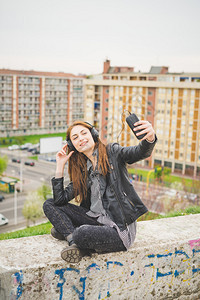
{"type": "Point", "coordinates": [41, 229]}
{"type": "Point", "coordinates": [34, 139]}
{"type": "Point", "coordinates": [191, 210]}
{"type": "Point", "coordinates": [35, 157]}
{"type": "Point", "coordinates": [45, 228]}
{"type": "Point", "coordinates": [167, 179]}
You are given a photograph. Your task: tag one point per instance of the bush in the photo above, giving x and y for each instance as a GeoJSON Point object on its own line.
{"type": "Point", "coordinates": [3, 163]}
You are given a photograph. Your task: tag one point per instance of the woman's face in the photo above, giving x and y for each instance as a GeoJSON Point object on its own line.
{"type": "Point", "coordinates": [82, 139]}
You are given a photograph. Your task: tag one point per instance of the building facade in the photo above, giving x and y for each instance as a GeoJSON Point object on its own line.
{"type": "Point", "coordinates": [39, 102]}
{"type": "Point", "coordinates": [170, 101]}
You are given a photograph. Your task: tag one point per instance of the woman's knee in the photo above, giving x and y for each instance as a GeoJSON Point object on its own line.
{"type": "Point", "coordinates": [47, 204]}
{"type": "Point", "coordinates": [81, 236]}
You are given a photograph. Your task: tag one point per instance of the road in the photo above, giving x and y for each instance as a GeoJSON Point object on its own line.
{"type": "Point", "coordinates": [33, 177]}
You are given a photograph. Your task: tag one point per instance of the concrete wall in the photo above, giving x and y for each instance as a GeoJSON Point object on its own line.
{"type": "Point", "coordinates": [164, 263]}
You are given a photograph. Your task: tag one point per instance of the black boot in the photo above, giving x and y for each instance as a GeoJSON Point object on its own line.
{"type": "Point", "coordinates": [72, 253]}
{"type": "Point", "coordinates": [57, 235]}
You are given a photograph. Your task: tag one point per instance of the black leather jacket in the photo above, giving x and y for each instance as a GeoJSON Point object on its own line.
{"type": "Point", "coordinates": [122, 203]}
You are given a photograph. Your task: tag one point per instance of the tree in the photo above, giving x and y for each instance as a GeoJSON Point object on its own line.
{"type": "Point", "coordinates": [32, 209]}
{"type": "Point", "coordinates": [3, 163]}
{"type": "Point", "coordinates": [44, 192]}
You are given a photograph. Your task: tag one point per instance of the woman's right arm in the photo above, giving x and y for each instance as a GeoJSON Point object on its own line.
{"type": "Point", "coordinates": [61, 196]}
{"type": "Point", "coordinates": [61, 160]}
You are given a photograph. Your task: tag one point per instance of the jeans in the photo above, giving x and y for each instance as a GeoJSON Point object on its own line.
{"type": "Point", "coordinates": [86, 232]}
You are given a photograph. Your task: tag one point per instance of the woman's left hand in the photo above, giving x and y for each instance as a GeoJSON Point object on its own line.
{"type": "Point", "coordinates": [146, 129]}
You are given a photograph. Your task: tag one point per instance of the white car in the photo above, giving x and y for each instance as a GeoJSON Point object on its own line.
{"type": "Point", "coordinates": [3, 220]}
{"type": "Point", "coordinates": [25, 146]}
{"type": "Point", "coordinates": [13, 147]}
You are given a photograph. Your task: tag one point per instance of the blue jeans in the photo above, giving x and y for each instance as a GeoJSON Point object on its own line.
{"type": "Point", "coordinates": [87, 233]}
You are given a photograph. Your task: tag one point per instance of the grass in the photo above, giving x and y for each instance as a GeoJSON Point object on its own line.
{"type": "Point", "coordinates": [167, 179]}
{"type": "Point", "coordinates": [34, 139]}
{"type": "Point", "coordinates": [35, 157]}
{"type": "Point", "coordinates": [41, 229]}
{"type": "Point", "coordinates": [191, 210]}
{"type": "Point", "coordinates": [45, 228]}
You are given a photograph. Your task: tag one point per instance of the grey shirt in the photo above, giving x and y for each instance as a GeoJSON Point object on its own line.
{"type": "Point", "coordinates": [98, 191]}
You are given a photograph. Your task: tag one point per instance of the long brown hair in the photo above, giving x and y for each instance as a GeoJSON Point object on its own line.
{"type": "Point", "coordinates": [77, 165]}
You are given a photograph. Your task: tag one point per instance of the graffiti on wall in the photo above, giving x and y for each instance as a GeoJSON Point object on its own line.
{"type": "Point", "coordinates": [114, 276]}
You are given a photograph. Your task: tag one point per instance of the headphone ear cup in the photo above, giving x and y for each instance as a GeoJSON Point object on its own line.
{"type": "Point", "coordinates": [94, 134]}
{"type": "Point", "coordinates": [70, 145]}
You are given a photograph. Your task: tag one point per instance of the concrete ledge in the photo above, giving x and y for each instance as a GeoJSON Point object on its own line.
{"type": "Point", "coordinates": [164, 263]}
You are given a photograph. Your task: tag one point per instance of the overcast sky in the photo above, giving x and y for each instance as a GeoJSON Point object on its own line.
{"type": "Point", "coordinates": [77, 36]}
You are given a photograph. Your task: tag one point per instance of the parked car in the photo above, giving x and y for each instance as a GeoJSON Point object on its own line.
{"type": "Point", "coordinates": [3, 220]}
{"type": "Point", "coordinates": [25, 146]}
{"type": "Point", "coordinates": [35, 151]}
{"type": "Point", "coordinates": [33, 147]}
{"type": "Point", "coordinates": [16, 160]}
{"type": "Point", "coordinates": [1, 198]}
{"type": "Point", "coordinates": [29, 163]}
{"type": "Point", "coordinates": [13, 147]}
{"type": "Point", "coordinates": [53, 159]}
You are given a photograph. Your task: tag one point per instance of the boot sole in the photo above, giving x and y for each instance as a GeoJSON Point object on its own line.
{"type": "Point", "coordinates": [71, 255]}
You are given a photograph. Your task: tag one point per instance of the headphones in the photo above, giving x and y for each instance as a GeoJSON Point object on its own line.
{"type": "Point", "coordinates": [94, 133]}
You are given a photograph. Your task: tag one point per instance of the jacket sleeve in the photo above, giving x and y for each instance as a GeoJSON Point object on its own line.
{"type": "Point", "coordinates": [61, 196]}
{"type": "Point", "coordinates": [133, 154]}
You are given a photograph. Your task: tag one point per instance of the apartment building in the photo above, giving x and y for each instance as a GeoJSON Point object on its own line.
{"type": "Point", "coordinates": [39, 102]}
{"type": "Point", "coordinates": [170, 101]}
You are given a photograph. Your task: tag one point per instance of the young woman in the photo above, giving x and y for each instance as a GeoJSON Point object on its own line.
{"type": "Point", "coordinates": [104, 219]}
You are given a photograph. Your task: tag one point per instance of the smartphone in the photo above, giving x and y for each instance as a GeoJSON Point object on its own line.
{"type": "Point", "coordinates": [131, 120]}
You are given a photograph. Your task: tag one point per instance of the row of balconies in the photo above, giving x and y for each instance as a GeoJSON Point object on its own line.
{"type": "Point", "coordinates": [52, 110]}
{"type": "Point", "coordinates": [5, 94]}
{"type": "Point", "coordinates": [5, 87]}
{"type": "Point", "coordinates": [28, 88]}
{"type": "Point", "coordinates": [63, 88]}
{"type": "Point", "coordinates": [63, 121]}
{"type": "Point", "coordinates": [5, 119]}
{"type": "Point", "coordinates": [29, 93]}
{"type": "Point", "coordinates": [28, 100]}
{"type": "Point", "coordinates": [53, 82]}
{"type": "Point", "coordinates": [52, 93]}
{"type": "Point", "coordinates": [28, 80]}
{"type": "Point", "coordinates": [26, 106]}
{"type": "Point", "coordinates": [57, 99]}
{"type": "Point", "coordinates": [55, 114]}
{"type": "Point", "coordinates": [5, 108]}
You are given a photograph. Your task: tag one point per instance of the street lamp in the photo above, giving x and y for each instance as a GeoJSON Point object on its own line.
{"type": "Point", "coordinates": [15, 206]}
{"type": "Point", "coordinates": [21, 187]}
{"type": "Point", "coordinates": [21, 170]}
